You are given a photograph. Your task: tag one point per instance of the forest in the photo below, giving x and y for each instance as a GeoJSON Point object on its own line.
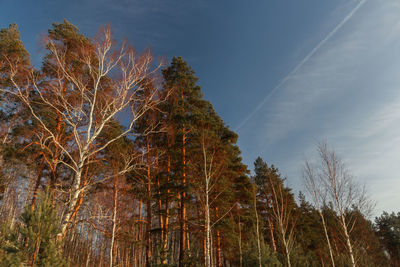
{"type": "Point", "coordinates": [112, 157]}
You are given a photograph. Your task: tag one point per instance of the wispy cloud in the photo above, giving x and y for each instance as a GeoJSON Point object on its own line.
{"type": "Point", "coordinates": [346, 91]}
{"type": "Point", "coordinates": [301, 63]}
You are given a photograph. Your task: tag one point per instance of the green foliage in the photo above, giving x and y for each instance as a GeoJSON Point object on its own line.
{"type": "Point", "coordinates": [11, 251]}
{"type": "Point", "coordinates": [310, 235]}
{"type": "Point", "coordinates": [12, 53]}
{"type": "Point", "coordinates": [66, 36]}
{"type": "Point", "coordinates": [183, 127]}
{"type": "Point", "coordinates": [387, 227]}
{"type": "Point", "coordinates": [250, 255]}
{"type": "Point", "coordinates": [300, 257]}
{"type": "Point", "coordinates": [11, 47]}
{"type": "Point", "coordinates": [34, 239]}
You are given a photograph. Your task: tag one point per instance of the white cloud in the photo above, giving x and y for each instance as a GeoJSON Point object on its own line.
{"type": "Point", "coordinates": [348, 92]}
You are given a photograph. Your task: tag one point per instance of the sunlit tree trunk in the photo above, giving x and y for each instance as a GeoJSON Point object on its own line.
{"type": "Point", "coordinates": [148, 205]}
{"type": "Point", "coordinates": [315, 187]}
{"type": "Point", "coordinates": [240, 242]}
{"type": "Point", "coordinates": [271, 229]}
{"type": "Point", "coordinates": [218, 249]}
{"type": "Point", "coordinates": [37, 184]}
{"type": "Point", "coordinates": [114, 220]}
{"type": "Point", "coordinates": [88, 114]}
{"type": "Point", "coordinates": [284, 218]}
{"type": "Point", "coordinates": [182, 244]}
{"type": "Point", "coordinates": [257, 227]}
{"type": "Point", "coordinates": [166, 220]}
{"type": "Point", "coordinates": [343, 193]}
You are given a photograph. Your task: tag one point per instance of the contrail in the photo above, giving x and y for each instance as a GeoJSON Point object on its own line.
{"type": "Point", "coordinates": [298, 66]}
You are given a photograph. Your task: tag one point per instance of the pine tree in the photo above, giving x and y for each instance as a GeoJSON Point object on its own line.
{"type": "Point", "coordinates": [388, 229]}
{"type": "Point", "coordinates": [368, 249]}
{"type": "Point", "coordinates": [183, 111]}
{"type": "Point", "coordinates": [11, 251]}
{"type": "Point", "coordinates": [277, 208]}
{"type": "Point", "coordinates": [310, 235]}
{"type": "Point", "coordinates": [250, 256]}
{"type": "Point", "coordinates": [39, 227]}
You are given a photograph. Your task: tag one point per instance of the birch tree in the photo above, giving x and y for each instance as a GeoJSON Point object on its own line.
{"type": "Point", "coordinates": [208, 186]}
{"type": "Point", "coordinates": [211, 168]}
{"type": "Point", "coordinates": [284, 216]}
{"type": "Point", "coordinates": [314, 187]}
{"type": "Point", "coordinates": [107, 85]}
{"type": "Point", "coordinates": [277, 205]}
{"type": "Point", "coordinates": [257, 228]}
{"type": "Point", "coordinates": [341, 191]}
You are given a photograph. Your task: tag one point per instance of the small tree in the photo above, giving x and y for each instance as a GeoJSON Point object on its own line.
{"type": "Point", "coordinates": [36, 244]}
{"type": "Point", "coordinates": [284, 216]}
{"type": "Point", "coordinates": [313, 185]}
{"type": "Point", "coordinates": [258, 253]}
{"type": "Point", "coordinates": [279, 205]}
{"type": "Point", "coordinates": [337, 185]}
{"type": "Point", "coordinates": [387, 227]}
{"type": "Point", "coordinates": [11, 252]}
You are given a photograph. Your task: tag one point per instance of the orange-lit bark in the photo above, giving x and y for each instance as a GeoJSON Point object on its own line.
{"type": "Point", "coordinates": [148, 205]}
{"type": "Point", "coordinates": [35, 250]}
{"type": "Point", "coordinates": [218, 244]}
{"type": "Point", "coordinates": [166, 220]}
{"type": "Point", "coordinates": [271, 229]}
{"type": "Point", "coordinates": [218, 249]}
{"type": "Point", "coordinates": [182, 244]}
{"type": "Point", "coordinates": [37, 184]}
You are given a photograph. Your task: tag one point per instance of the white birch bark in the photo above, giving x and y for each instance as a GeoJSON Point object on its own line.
{"type": "Point", "coordinates": [93, 107]}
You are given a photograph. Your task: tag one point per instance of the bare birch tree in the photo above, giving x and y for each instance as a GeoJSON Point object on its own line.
{"type": "Point", "coordinates": [212, 166]}
{"type": "Point", "coordinates": [88, 100]}
{"type": "Point", "coordinates": [283, 216]}
{"type": "Point", "coordinates": [338, 185]}
{"type": "Point", "coordinates": [314, 187]}
{"type": "Point", "coordinates": [211, 170]}
{"type": "Point", "coordinates": [208, 175]}
{"type": "Point", "coordinates": [257, 226]}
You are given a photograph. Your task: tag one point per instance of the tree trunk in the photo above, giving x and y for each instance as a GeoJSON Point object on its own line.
{"type": "Point", "coordinates": [348, 242]}
{"type": "Point", "coordinates": [74, 199]}
{"type": "Point", "coordinates": [36, 248]}
{"type": "Point", "coordinates": [114, 220]}
{"type": "Point", "coordinates": [148, 208]}
{"type": "Point", "coordinates": [166, 220]}
{"type": "Point", "coordinates": [287, 251]}
{"type": "Point", "coordinates": [240, 245]}
{"type": "Point", "coordinates": [271, 229]}
{"type": "Point", "coordinates": [257, 230]}
{"type": "Point", "coordinates": [219, 252]}
{"type": "Point", "coordinates": [161, 218]}
{"type": "Point", "coordinates": [139, 234]}
{"type": "Point", "coordinates": [208, 229]}
{"type": "Point", "coordinates": [327, 237]}
{"type": "Point", "coordinates": [37, 184]}
{"type": "Point", "coordinates": [182, 244]}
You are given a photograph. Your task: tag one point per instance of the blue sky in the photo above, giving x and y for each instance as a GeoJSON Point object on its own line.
{"type": "Point", "coordinates": [304, 70]}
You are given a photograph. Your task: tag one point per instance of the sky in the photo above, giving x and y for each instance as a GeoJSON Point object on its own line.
{"type": "Point", "coordinates": [283, 74]}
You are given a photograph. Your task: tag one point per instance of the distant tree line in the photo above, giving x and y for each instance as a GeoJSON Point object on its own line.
{"type": "Point", "coordinates": [109, 158]}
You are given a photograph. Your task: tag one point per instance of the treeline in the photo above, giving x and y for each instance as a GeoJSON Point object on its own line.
{"type": "Point", "coordinates": [109, 158]}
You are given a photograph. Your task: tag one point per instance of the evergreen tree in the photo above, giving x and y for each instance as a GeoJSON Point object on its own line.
{"type": "Point", "coordinates": [11, 252]}
{"type": "Point", "coordinates": [368, 249]}
{"type": "Point", "coordinates": [250, 255]}
{"type": "Point", "coordinates": [34, 241]}
{"type": "Point", "coordinates": [310, 236]}
{"type": "Point", "coordinates": [183, 111]}
{"type": "Point", "coordinates": [277, 208]}
{"type": "Point", "coordinates": [387, 227]}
